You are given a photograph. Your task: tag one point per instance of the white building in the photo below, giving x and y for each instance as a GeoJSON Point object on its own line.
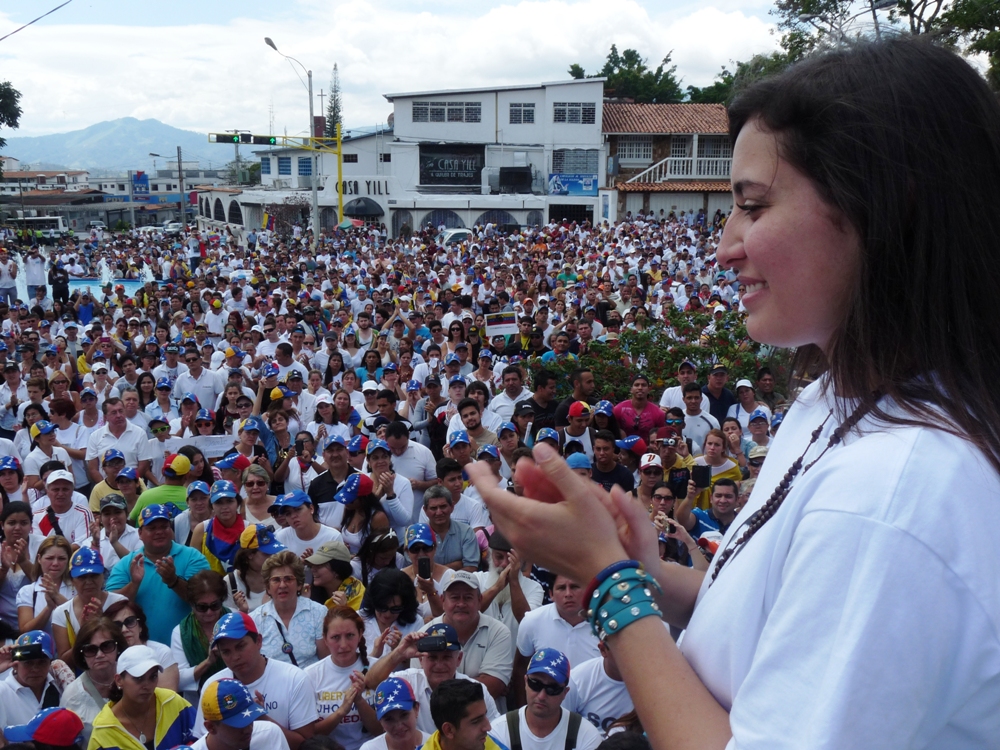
{"type": "Point", "coordinates": [14, 181]}
{"type": "Point", "coordinates": [504, 155]}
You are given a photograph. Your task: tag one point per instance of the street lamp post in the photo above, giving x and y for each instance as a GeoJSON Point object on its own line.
{"type": "Point", "coordinates": [312, 154]}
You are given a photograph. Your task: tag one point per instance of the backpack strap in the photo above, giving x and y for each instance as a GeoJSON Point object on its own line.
{"type": "Point", "coordinates": [572, 730]}
{"type": "Point", "coordinates": [514, 729]}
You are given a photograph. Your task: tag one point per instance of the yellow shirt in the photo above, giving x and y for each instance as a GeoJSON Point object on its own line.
{"type": "Point", "coordinates": [729, 470]}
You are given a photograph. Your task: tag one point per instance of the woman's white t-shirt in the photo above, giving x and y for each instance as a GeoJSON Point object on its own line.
{"type": "Point", "coordinates": [64, 610]}
{"type": "Point", "coordinates": [866, 612]}
{"type": "Point", "coordinates": [34, 595]}
{"type": "Point", "coordinates": [330, 684]}
{"type": "Point", "coordinates": [288, 537]}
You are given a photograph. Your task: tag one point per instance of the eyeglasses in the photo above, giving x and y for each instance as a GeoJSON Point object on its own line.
{"type": "Point", "coordinates": [213, 607]}
{"type": "Point", "coordinates": [105, 647]}
{"type": "Point", "coordinates": [255, 484]}
{"type": "Point", "coordinates": [664, 498]}
{"type": "Point", "coordinates": [390, 610]}
{"type": "Point", "coordinates": [129, 622]}
{"type": "Point", "coordinates": [538, 686]}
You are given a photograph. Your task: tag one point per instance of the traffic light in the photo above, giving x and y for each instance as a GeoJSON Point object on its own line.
{"type": "Point", "coordinates": [223, 137]}
{"type": "Point", "coordinates": [259, 140]}
{"type": "Point", "coordinates": [265, 140]}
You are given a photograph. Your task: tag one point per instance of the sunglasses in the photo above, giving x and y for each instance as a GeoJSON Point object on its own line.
{"type": "Point", "coordinates": [652, 472]}
{"type": "Point", "coordinates": [538, 686]}
{"type": "Point", "coordinates": [129, 622]}
{"type": "Point", "coordinates": [756, 462]}
{"type": "Point", "coordinates": [390, 610]}
{"type": "Point", "coordinates": [213, 607]}
{"type": "Point", "coordinates": [158, 430]}
{"type": "Point", "coordinates": [105, 647]}
{"type": "Point", "coordinates": [255, 484]}
{"type": "Point", "coordinates": [419, 549]}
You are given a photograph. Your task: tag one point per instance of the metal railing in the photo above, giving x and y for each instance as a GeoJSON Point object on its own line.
{"type": "Point", "coordinates": [675, 168]}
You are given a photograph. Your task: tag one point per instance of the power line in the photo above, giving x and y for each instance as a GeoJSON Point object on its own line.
{"type": "Point", "coordinates": [37, 19]}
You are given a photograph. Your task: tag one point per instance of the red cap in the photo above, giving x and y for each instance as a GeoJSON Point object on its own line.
{"type": "Point", "coordinates": [667, 432]}
{"type": "Point", "coordinates": [579, 409]}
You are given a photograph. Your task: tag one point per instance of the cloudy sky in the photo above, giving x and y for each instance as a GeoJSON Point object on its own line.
{"type": "Point", "coordinates": [202, 64]}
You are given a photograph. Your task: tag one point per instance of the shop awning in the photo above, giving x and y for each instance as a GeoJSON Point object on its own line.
{"type": "Point", "coordinates": [363, 207]}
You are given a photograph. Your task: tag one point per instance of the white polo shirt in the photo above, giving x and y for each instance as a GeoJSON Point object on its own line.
{"type": "Point", "coordinates": [544, 628]}
{"type": "Point", "coordinates": [133, 443]}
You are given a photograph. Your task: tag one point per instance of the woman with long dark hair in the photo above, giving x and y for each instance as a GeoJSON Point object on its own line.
{"type": "Point", "coordinates": [857, 239]}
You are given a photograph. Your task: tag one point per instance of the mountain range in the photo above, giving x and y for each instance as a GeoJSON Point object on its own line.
{"type": "Point", "coordinates": [115, 145]}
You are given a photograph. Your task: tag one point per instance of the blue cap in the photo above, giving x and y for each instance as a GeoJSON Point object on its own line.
{"type": "Point", "coordinates": [204, 415]}
{"type": "Point", "coordinates": [294, 499]}
{"type": "Point", "coordinates": [3, 348]}
{"type": "Point", "coordinates": [333, 440]}
{"type": "Point", "coordinates": [356, 444]}
{"type": "Point", "coordinates": [269, 370]}
{"type": "Point", "coordinates": [261, 537]}
{"type": "Point", "coordinates": [578, 461]}
{"type": "Point", "coordinates": [377, 444]}
{"type": "Point", "coordinates": [507, 426]}
{"type": "Point", "coordinates": [777, 419]}
{"type": "Point", "coordinates": [627, 443]}
{"type": "Point", "coordinates": [52, 350]}
{"type": "Point", "coordinates": [452, 359]}
{"type": "Point", "coordinates": [111, 454]}
{"type": "Point", "coordinates": [54, 726]}
{"type": "Point", "coordinates": [490, 450]}
{"type": "Point", "coordinates": [413, 385]}
{"type": "Point", "coordinates": [252, 423]}
{"type": "Point", "coordinates": [223, 488]}
{"type": "Point", "coordinates": [236, 352]}
{"type": "Point", "coordinates": [234, 625]}
{"type": "Point", "coordinates": [551, 662]}
{"type": "Point", "coordinates": [85, 562]}
{"type": "Point", "coordinates": [154, 513]}
{"type": "Point", "coordinates": [230, 702]}
{"type": "Point", "coordinates": [449, 633]}
{"type": "Point", "coordinates": [459, 436]}
{"type": "Point", "coordinates": [547, 433]}
{"type": "Point", "coordinates": [605, 407]}
{"type": "Point", "coordinates": [419, 533]}
{"type": "Point", "coordinates": [758, 414]}
{"type": "Point", "coordinates": [190, 397]}
{"type": "Point", "coordinates": [391, 367]}
{"type": "Point", "coordinates": [88, 392]}
{"type": "Point", "coordinates": [198, 486]}
{"type": "Point", "coordinates": [393, 694]}
{"type": "Point", "coordinates": [128, 473]}
{"type": "Point", "coordinates": [9, 463]}
{"type": "Point", "coordinates": [34, 644]}
{"type": "Point", "coordinates": [42, 427]}
{"type": "Point", "coordinates": [456, 380]}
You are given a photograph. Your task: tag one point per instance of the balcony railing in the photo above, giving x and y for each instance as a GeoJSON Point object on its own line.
{"type": "Point", "coordinates": [687, 168]}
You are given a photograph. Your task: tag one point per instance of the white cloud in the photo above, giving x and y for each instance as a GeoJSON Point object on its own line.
{"type": "Point", "coordinates": [210, 77]}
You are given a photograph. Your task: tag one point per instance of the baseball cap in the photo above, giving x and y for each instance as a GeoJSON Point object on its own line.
{"type": "Point", "coordinates": [758, 451]}
{"type": "Point", "coordinates": [777, 419]}
{"type": "Point", "coordinates": [742, 383]}
{"type": "Point", "coordinates": [259, 536]}
{"type": "Point", "coordinates": [85, 561]}
{"type": "Point", "coordinates": [190, 397]}
{"type": "Point", "coordinates": [234, 625]}
{"type": "Point", "coordinates": [432, 380]}
{"type": "Point", "coordinates": [269, 370]}
{"type": "Point", "coordinates": [456, 380]}
{"type": "Point", "coordinates": [419, 533]}
{"type": "Point", "coordinates": [632, 443]}
{"type": "Point", "coordinates": [579, 409]}
{"type": "Point", "coordinates": [449, 634]}
{"type": "Point", "coordinates": [328, 551]}
{"type": "Point", "coordinates": [114, 500]}
{"type": "Point", "coordinates": [176, 465]}
{"type": "Point", "coordinates": [357, 485]}
{"type": "Point", "coordinates": [55, 726]}
{"type": "Point", "coordinates": [523, 409]}
{"type": "Point", "coordinates": [578, 461]}
{"type": "Point", "coordinates": [235, 461]}
{"type": "Point", "coordinates": [154, 512]}
{"type": "Point", "coordinates": [357, 444]}
{"type": "Point", "coordinates": [235, 352]}
{"type": "Point", "coordinates": [547, 433]}
{"type": "Point", "coordinates": [392, 694]}
{"type": "Point", "coordinates": [464, 576]}
{"type": "Point", "coordinates": [413, 385]}
{"type": "Point", "coordinates": [35, 644]}
{"type": "Point", "coordinates": [506, 426]}
{"type": "Point", "coordinates": [294, 499]}
{"type": "Point", "coordinates": [452, 359]}
{"type": "Point", "coordinates": [111, 454]}
{"type": "Point", "coordinates": [41, 427]}
{"type": "Point", "coordinates": [222, 488]}
{"type": "Point", "coordinates": [758, 414]}
{"type": "Point", "coordinates": [198, 486]}
{"type": "Point", "coordinates": [59, 474]}
{"type": "Point", "coordinates": [376, 444]}
{"type": "Point", "coordinates": [650, 459]}
{"type": "Point", "coordinates": [369, 385]}
{"type": "Point", "coordinates": [459, 436]}
{"type": "Point", "coordinates": [551, 662]}
{"type": "Point", "coordinates": [230, 702]}
{"type": "Point", "coordinates": [490, 450]}
{"type": "Point", "coordinates": [128, 473]}
{"type": "Point", "coordinates": [718, 367]}
{"type": "Point", "coordinates": [137, 661]}
{"type": "Point", "coordinates": [252, 423]}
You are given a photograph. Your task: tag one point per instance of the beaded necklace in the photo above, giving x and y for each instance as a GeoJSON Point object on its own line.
{"type": "Point", "coordinates": [764, 514]}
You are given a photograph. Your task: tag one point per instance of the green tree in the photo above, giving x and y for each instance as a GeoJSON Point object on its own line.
{"type": "Point", "coordinates": [629, 77]}
{"type": "Point", "coordinates": [334, 105]}
{"type": "Point", "coordinates": [729, 83]}
{"type": "Point", "coordinates": [10, 110]}
{"type": "Point", "coordinates": [977, 23]}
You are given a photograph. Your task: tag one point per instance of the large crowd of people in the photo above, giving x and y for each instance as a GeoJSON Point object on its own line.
{"type": "Point", "coordinates": [238, 495]}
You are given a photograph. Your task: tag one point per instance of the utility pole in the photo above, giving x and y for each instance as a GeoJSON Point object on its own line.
{"type": "Point", "coordinates": [315, 164]}
{"type": "Point", "coordinates": [236, 147]}
{"type": "Point", "coordinates": [131, 200]}
{"type": "Point", "coordinates": [180, 184]}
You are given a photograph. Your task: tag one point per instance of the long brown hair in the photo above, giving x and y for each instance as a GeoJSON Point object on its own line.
{"type": "Point", "coordinates": [893, 134]}
{"type": "Point", "coordinates": [343, 612]}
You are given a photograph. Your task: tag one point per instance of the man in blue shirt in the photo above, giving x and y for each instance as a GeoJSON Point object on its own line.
{"type": "Point", "coordinates": [721, 512]}
{"type": "Point", "coordinates": [156, 576]}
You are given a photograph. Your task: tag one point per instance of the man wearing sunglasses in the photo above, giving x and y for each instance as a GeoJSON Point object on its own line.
{"type": "Point", "coordinates": [543, 723]}
{"type": "Point", "coordinates": [668, 439]}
